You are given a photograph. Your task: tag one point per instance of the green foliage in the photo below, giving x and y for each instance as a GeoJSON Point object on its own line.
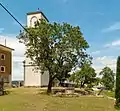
{"type": "Point", "coordinates": [86, 75]}
{"type": "Point", "coordinates": [97, 81]}
{"type": "Point", "coordinates": [117, 90]}
{"type": "Point", "coordinates": [56, 48]}
{"type": "Point", "coordinates": [107, 78]}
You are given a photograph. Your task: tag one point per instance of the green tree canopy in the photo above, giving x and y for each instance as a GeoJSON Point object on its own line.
{"type": "Point", "coordinates": [107, 78]}
{"type": "Point", "coordinates": [117, 90]}
{"type": "Point", "coordinates": [86, 75]}
{"type": "Point", "coordinates": [56, 48]}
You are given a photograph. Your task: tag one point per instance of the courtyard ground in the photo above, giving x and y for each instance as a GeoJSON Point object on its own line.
{"type": "Point", "coordinates": [28, 99]}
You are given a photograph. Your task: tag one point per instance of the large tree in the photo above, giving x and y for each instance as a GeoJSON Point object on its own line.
{"type": "Point", "coordinates": [107, 78]}
{"type": "Point", "coordinates": [86, 75]}
{"type": "Point", "coordinates": [56, 48]}
{"type": "Point", "coordinates": [117, 89]}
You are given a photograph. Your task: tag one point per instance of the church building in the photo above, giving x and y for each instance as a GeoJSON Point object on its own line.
{"type": "Point", "coordinates": [32, 75]}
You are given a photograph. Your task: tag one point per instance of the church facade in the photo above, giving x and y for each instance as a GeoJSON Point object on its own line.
{"type": "Point", "coordinates": [32, 75]}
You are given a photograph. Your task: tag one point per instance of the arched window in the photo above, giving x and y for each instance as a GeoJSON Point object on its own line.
{"type": "Point", "coordinates": [32, 21]}
{"type": "Point", "coordinates": [2, 56]}
{"type": "Point", "coordinates": [2, 68]}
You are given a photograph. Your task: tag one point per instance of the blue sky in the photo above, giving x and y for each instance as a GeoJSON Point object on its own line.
{"type": "Point", "coordinates": [99, 21]}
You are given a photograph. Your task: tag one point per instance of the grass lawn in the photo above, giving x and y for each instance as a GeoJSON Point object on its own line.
{"type": "Point", "coordinates": [109, 93]}
{"type": "Point", "coordinates": [27, 99]}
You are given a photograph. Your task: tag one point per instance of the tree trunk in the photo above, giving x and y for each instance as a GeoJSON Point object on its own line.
{"type": "Point", "coordinates": [100, 92]}
{"type": "Point", "coordinates": [49, 89]}
{"type": "Point", "coordinates": [82, 84]}
{"type": "Point", "coordinates": [60, 83]}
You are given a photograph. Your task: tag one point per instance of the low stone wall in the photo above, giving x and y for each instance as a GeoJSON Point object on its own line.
{"type": "Point", "coordinates": [69, 90]}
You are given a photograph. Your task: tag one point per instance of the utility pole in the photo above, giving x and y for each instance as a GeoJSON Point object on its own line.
{"type": "Point", "coordinates": [5, 42]}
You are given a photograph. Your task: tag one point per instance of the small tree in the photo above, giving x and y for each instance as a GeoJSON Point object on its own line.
{"type": "Point", "coordinates": [86, 75]}
{"type": "Point", "coordinates": [97, 81]}
{"type": "Point", "coordinates": [117, 90]}
{"type": "Point", "coordinates": [56, 48]}
{"type": "Point", "coordinates": [107, 78]}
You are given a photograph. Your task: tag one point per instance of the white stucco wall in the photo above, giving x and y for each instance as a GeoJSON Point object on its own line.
{"type": "Point", "coordinates": [29, 17]}
{"type": "Point", "coordinates": [31, 77]}
{"type": "Point", "coordinates": [45, 79]}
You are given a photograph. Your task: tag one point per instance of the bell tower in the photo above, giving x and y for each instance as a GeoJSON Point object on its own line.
{"type": "Point", "coordinates": [32, 17]}
{"type": "Point", "coordinates": [33, 76]}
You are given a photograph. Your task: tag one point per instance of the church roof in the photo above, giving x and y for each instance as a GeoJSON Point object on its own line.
{"type": "Point", "coordinates": [37, 12]}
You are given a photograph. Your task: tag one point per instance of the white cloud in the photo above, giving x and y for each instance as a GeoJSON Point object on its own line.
{"type": "Point", "coordinates": [17, 71]}
{"type": "Point", "coordinates": [18, 54]}
{"type": "Point", "coordinates": [106, 60]}
{"type": "Point", "coordinates": [1, 30]}
{"type": "Point", "coordinates": [13, 42]}
{"type": "Point", "coordinates": [100, 62]}
{"type": "Point", "coordinates": [95, 52]}
{"type": "Point", "coordinates": [113, 27]}
{"type": "Point", "coordinates": [18, 59]}
{"type": "Point", "coordinates": [113, 44]}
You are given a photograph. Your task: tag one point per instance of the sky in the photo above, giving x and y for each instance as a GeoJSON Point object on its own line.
{"type": "Point", "coordinates": [99, 21]}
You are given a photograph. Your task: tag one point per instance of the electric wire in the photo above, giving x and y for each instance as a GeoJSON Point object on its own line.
{"type": "Point", "coordinates": [13, 17]}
